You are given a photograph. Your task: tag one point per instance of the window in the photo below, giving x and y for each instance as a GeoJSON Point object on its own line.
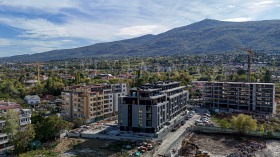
{"type": "Point", "coordinates": [140, 117]}
{"type": "Point", "coordinates": [149, 123]}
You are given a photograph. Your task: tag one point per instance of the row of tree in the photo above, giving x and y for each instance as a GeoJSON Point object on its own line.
{"type": "Point", "coordinates": [42, 129]}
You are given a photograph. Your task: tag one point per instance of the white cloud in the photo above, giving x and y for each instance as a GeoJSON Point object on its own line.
{"type": "Point", "coordinates": [239, 19]}
{"type": "Point", "coordinates": [46, 5]}
{"type": "Point", "coordinates": [262, 3]}
{"type": "Point", "coordinates": [137, 30]}
{"type": "Point", "coordinates": [109, 20]}
{"type": "Point", "coordinates": [231, 6]}
{"type": "Point", "coordinates": [5, 42]}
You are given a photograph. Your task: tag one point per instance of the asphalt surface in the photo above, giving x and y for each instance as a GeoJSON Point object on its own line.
{"type": "Point", "coordinates": [172, 138]}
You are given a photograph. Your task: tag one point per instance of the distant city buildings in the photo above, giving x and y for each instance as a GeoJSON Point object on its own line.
{"type": "Point", "coordinates": [92, 102]}
{"type": "Point", "coordinates": [242, 96]}
{"type": "Point", "coordinates": [152, 108]}
{"type": "Point", "coordinates": [24, 119]}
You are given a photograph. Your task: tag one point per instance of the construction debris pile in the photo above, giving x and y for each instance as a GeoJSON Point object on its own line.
{"type": "Point", "coordinates": [189, 149]}
{"type": "Point", "coordinates": [247, 148]}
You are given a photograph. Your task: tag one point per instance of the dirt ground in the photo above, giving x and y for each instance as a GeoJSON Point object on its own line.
{"type": "Point", "coordinates": [70, 147]}
{"type": "Point", "coordinates": [84, 147]}
{"type": "Point", "coordinates": [224, 145]}
{"type": "Point", "coordinates": [215, 145]}
{"type": "Point", "coordinates": [272, 150]}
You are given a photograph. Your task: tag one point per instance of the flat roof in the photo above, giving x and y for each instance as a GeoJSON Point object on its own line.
{"type": "Point", "coordinates": [234, 82]}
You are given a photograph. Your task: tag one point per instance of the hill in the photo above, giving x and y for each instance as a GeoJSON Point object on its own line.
{"type": "Point", "coordinates": [206, 36]}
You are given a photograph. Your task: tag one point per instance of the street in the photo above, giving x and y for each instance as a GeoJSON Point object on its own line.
{"type": "Point", "coordinates": [172, 137]}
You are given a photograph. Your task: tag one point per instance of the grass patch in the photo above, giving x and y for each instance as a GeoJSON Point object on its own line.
{"type": "Point", "coordinates": [37, 153]}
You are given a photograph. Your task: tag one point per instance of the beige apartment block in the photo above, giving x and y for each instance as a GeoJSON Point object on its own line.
{"type": "Point", "coordinates": [92, 102]}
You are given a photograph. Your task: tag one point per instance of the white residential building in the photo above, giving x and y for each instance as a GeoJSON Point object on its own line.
{"type": "Point", "coordinates": [24, 119]}
{"type": "Point", "coordinates": [32, 99]}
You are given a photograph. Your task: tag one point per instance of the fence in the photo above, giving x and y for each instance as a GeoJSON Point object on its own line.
{"type": "Point", "coordinates": [210, 129]}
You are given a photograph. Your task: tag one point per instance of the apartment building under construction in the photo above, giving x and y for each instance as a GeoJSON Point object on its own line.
{"type": "Point", "coordinates": [153, 108]}
{"type": "Point", "coordinates": [92, 102]}
{"type": "Point", "coordinates": [252, 97]}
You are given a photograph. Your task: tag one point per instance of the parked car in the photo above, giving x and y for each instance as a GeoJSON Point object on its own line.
{"type": "Point", "coordinates": [198, 121]}
{"type": "Point", "coordinates": [206, 114]}
{"type": "Point", "coordinates": [205, 121]}
{"type": "Point", "coordinates": [200, 124]}
{"type": "Point", "coordinates": [205, 118]}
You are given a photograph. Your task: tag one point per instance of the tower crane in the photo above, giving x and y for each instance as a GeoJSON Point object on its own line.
{"type": "Point", "coordinates": [38, 68]}
{"type": "Point", "coordinates": [249, 63]}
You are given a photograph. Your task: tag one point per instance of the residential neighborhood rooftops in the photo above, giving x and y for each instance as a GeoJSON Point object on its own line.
{"type": "Point", "coordinates": [9, 105]}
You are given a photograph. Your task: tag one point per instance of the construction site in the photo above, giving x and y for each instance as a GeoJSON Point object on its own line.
{"type": "Point", "coordinates": [219, 145]}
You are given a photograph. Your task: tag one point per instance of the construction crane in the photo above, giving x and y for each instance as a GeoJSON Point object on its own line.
{"type": "Point", "coordinates": [249, 62]}
{"type": "Point", "coordinates": [38, 68]}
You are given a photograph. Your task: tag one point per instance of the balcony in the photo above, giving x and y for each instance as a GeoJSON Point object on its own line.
{"type": "Point", "coordinates": [3, 138]}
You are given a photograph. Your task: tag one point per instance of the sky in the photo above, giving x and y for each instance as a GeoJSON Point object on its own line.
{"type": "Point", "coordinates": [34, 26]}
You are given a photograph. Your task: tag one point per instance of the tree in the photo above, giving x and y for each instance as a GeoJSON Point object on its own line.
{"type": "Point", "coordinates": [262, 129]}
{"type": "Point", "coordinates": [266, 77]}
{"type": "Point", "coordinates": [77, 78]}
{"type": "Point", "coordinates": [78, 122]}
{"type": "Point", "coordinates": [241, 72]}
{"type": "Point", "coordinates": [11, 126]}
{"type": "Point", "coordinates": [224, 123]}
{"type": "Point", "coordinates": [243, 123]}
{"type": "Point", "coordinates": [220, 77]}
{"type": "Point", "coordinates": [50, 127]}
{"type": "Point", "coordinates": [23, 138]}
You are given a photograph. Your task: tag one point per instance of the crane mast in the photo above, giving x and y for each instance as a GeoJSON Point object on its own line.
{"type": "Point", "coordinates": [249, 63]}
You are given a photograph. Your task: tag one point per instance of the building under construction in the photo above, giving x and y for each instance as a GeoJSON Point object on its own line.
{"type": "Point", "coordinates": [252, 97]}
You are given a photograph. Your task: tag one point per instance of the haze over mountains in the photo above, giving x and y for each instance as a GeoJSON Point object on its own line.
{"type": "Point", "coordinates": [204, 37]}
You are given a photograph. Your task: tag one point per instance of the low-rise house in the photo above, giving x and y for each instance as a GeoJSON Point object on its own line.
{"type": "Point", "coordinates": [32, 99]}
{"type": "Point", "coordinates": [125, 76]}
{"type": "Point", "coordinates": [106, 76]}
{"type": "Point", "coordinates": [47, 98]}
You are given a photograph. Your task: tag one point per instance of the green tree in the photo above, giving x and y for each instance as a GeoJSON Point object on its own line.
{"type": "Point", "coordinates": [77, 78]}
{"type": "Point", "coordinates": [224, 123]}
{"type": "Point", "coordinates": [261, 128]}
{"type": "Point", "coordinates": [220, 77]}
{"type": "Point", "coordinates": [23, 138]}
{"type": "Point", "coordinates": [11, 126]}
{"type": "Point", "coordinates": [50, 127]}
{"type": "Point", "coordinates": [266, 77]}
{"type": "Point", "coordinates": [243, 123]}
{"type": "Point", "coordinates": [241, 72]}
{"type": "Point", "coordinates": [78, 122]}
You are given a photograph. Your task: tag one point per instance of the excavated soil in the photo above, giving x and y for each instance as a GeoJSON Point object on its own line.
{"type": "Point", "coordinates": [226, 145]}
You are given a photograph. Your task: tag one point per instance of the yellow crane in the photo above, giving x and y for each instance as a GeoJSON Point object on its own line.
{"type": "Point", "coordinates": [250, 62]}
{"type": "Point", "coordinates": [38, 68]}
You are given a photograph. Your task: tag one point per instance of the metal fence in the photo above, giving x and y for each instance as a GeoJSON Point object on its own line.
{"type": "Point", "coordinates": [211, 129]}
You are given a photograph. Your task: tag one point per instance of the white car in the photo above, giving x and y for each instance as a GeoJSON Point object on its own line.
{"type": "Point", "coordinates": [205, 118]}
{"type": "Point", "coordinates": [200, 124]}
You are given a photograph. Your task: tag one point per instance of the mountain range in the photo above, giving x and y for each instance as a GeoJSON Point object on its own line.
{"type": "Point", "coordinates": [203, 37]}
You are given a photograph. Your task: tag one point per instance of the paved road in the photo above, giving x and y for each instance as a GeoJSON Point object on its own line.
{"type": "Point", "coordinates": [173, 136]}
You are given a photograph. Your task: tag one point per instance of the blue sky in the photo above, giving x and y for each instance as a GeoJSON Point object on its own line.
{"type": "Point", "coordinates": [33, 26]}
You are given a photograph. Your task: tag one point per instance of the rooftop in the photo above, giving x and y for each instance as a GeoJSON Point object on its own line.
{"type": "Point", "coordinates": [32, 97]}
{"type": "Point", "coordinates": [9, 105]}
{"type": "Point", "coordinates": [233, 82]}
